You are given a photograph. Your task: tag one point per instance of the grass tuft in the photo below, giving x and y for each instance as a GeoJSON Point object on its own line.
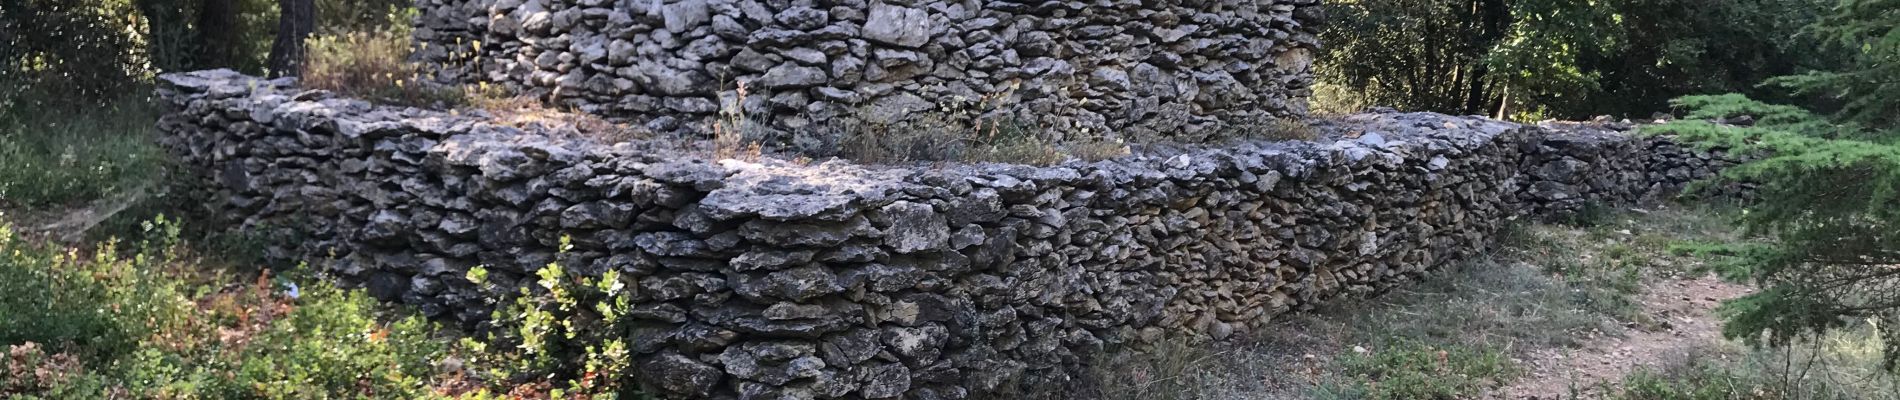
{"type": "Point", "coordinates": [1404, 370]}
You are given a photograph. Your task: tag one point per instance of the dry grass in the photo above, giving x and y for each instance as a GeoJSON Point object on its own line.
{"type": "Point", "coordinates": [1275, 130]}
{"type": "Point", "coordinates": [374, 65]}
{"type": "Point", "coordinates": [1097, 150]}
{"type": "Point", "coordinates": [955, 131]}
{"type": "Point", "coordinates": [1841, 365]}
{"type": "Point", "coordinates": [528, 112]}
{"type": "Point", "coordinates": [945, 137]}
{"type": "Point", "coordinates": [964, 131]}
{"type": "Point", "coordinates": [1336, 100]}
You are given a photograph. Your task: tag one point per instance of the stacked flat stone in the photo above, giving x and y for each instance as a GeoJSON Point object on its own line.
{"type": "Point", "coordinates": [1177, 69]}
{"type": "Point", "coordinates": [1581, 165]}
{"type": "Point", "coordinates": [774, 279]}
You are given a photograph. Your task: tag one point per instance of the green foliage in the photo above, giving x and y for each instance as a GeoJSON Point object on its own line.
{"type": "Point", "coordinates": [184, 35]}
{"type": "Point", "coordinates": [1407, 370]}
{"type": "Point", "coordinates": [332, 343]}
{"type": "Point", "coordinates": [71, 304]}
{"type": "Point", "coordinates": [79, 46]}
{"type": "Point", "coordinates": [1558, 58]}
{"type": "Point", "coordinates": [1687, 47]}
{"type": "Point", "coordinates": [1826, 195]}
{"type": "Point", "coordinates": [141, 325]}
{"type": "Point", "coordinates": [1468, 56]}
{"type": "Point", "coordinates": [1702, 383]}
{"type": "Point", "coordinates": [1420, 55]}
{"type": "Point", "coordinates": [57, 155]}
{"type": "Point", "coordinates": [1869, 86]}
{"type": "Point", "coordinates": [1537, 62]}
{"type": "Point", "coordinates": [1826, 191]}
{"type": "Point", "coordinates": [152, 321]}
{"type": "Point", "coordinates": [76, 52]}
{"type": "Point", "coordinates": [567, 328]}
{"type": "Point", "coordinates": [342, 16]}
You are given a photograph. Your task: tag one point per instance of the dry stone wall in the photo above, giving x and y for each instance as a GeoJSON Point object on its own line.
{"type": "Point", "coordinates": [1176, 69]}
{"type": "Point", "coordinates": [773, 279]}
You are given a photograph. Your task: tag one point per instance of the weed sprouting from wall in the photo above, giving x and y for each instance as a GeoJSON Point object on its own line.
{"type": "Point", "coordinates": [734, 134]}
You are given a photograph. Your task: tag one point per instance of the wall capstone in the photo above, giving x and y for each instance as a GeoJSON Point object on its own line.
{"type": "Point", "coordinates": [834, 280]}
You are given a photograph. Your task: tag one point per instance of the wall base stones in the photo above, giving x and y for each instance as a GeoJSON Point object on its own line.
{"type": "Point", "coordinates": [833, 280]}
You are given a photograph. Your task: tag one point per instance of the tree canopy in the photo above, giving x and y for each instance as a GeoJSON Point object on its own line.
{"type": "Point", "coordinates": [1561, 58]}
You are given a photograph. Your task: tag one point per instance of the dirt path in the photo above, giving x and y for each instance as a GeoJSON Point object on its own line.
{"type": "Point", "coordinates": [1682, 319]}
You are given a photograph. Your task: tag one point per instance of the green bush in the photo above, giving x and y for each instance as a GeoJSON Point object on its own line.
{"type": "Point", "coordinates": [148, 324]}
{"type": "Point", "coordinates": [63, 302]}
{"type": "Point", "coordinates": [567, 331]}
{"type": "Point", "coordinates": [58, 155]}
{"type": "Point", "coordinates": [1698, 384]}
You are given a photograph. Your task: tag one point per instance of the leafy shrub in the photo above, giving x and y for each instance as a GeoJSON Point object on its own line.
{"type": "Point", "coordinates": [567, 328]}
{"type": "Point", "coordinates": [360, 15]}
{"type": "Point", "coordinates": [77, 48]}
{"type": "Point", "coordinates": [333, 343]}
{"type": "Point", "coordinates": [146, 325]}
{"type": "Point", "coordinates": [101, 307]}
{"type": "Point", "coordinates": [32, 373]}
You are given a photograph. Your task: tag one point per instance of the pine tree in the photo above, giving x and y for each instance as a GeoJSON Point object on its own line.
{"type": "Point", "coordinates": [1828, 197]}
{"type": "Point", "coordinates": [1870, 89]}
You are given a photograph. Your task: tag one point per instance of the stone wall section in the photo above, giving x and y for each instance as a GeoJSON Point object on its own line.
{"type": "Point", "coordinates": [1168, 69]}
{"type": "Point", "coordinates": [774, 279]}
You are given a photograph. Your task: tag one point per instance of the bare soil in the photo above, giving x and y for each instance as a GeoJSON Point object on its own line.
{"type": "Point", "coordinates": [1681, 319]}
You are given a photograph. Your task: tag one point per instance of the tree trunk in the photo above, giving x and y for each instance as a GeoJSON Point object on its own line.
{"type": "Point", "coordinates": [168, 37]}
{"type": "Point", "coordinates": [1496, 20]}
{"type": "Point", "coordinates": [217, 34]}
{"type": "Point", "coordinates": [296, 20]}
{"type": "Point", "coordinates": [1504, 105]}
